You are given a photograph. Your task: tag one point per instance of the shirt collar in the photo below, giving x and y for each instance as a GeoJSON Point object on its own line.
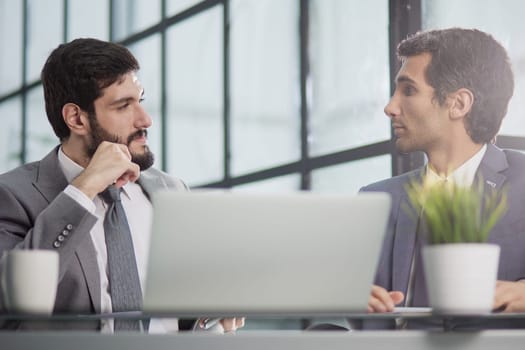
{"type": "Point", "coordinates": [71, 170]}
{"type": "Point", "coordinates": [464, 175]}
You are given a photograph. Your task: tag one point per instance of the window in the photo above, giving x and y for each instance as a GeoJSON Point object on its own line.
{"type": "Point", "coordinates": [265, 112]}
{"type": "Point", "coordinates": [349, 74]}
{"type": "Point", "coordinates": [88, 19]}
{"type": "Point", "coordinates": [11, 41]}
{"type": "Point", "coordinates": [272, 95]}
{"type": "Point", "coordinates": [45, 30]}
{"type": "Point", "coordinates": [195, 98]}
{"type": "Point", "coordinates": [10, 144]}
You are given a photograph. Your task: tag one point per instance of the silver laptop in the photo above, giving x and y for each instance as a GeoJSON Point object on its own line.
{"type": "Point", "coordinates": [230, 253]}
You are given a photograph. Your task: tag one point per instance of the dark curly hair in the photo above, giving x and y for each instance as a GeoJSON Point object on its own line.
{"type": "Point", "coordinates": [471, 59]}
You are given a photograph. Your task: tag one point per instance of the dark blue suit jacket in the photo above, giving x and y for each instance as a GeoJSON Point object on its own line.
{"type": "Point", "coordinates": [498, 169]}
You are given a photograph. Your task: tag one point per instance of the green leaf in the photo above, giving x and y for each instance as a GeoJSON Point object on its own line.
{"type": "Point", "coordinates": [453, 213]}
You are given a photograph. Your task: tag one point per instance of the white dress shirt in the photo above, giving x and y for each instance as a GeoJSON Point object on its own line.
{"type": "Point", "coordinates": [138, 210]}
{"type": "Point", "coordinates": [464, 175]}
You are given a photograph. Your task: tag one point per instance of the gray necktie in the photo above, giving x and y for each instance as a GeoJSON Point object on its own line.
{"type": "Point", "coordinates": [124, 283]}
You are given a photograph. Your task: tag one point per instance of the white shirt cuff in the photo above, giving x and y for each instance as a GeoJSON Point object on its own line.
{"type": "Point", "coordinates": [79, 197]}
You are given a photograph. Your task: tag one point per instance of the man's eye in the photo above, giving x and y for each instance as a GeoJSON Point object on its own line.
{"type": "Point", "coordinates": [409, 90]}
{"type": "Point", "coordinates": [142, 99]}
{"type": "Point", "coordinates": [124, 106]}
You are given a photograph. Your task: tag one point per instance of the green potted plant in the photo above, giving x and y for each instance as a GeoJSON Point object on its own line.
{"type": "Point", "coordinates": [460, 266]}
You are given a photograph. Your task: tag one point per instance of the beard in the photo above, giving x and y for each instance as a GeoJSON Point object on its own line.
{"type": "Point", "coordinates": [98, 134]}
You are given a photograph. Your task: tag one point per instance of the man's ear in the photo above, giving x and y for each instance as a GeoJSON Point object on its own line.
{"type": "Point", "coordinates": [461, 103]}
{"type": "Point", "coordinates": [76, 119]}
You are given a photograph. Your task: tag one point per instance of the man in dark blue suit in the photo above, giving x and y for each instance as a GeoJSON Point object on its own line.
{"type": "Point", "coordinates": [451, 95]}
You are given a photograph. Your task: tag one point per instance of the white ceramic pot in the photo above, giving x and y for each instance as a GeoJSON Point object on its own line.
{"type": "Point", "coordinates": [461, 277]}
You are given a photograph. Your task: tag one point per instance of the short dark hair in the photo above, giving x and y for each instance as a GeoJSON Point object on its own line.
{"type": "Point", "coordinates": [77, 72]}
{"type": "Point", "coordinates": [471, 59]}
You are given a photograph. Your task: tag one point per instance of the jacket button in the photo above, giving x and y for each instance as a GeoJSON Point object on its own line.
{"type": "Point", "coordinates": [56, 244]}
{"type": "Point", "coordinates": [65, 232]}
{"type": "Point", "coordinates": [61, 238]}
{"type": "Point", "coordinates": [69, 227]}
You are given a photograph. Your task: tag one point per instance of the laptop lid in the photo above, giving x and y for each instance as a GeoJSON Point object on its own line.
{"type": "Point", "coordinates": [231, 253]}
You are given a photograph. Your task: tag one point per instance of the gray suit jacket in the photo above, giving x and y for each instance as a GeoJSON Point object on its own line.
{"type": "Point", "coordinates": [498, 169]}
{"type": "Point", "coordinates": [34, 211]}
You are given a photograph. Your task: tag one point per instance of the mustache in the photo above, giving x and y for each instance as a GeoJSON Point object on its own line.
{"type": "Point", "coordinates": [138, 134]}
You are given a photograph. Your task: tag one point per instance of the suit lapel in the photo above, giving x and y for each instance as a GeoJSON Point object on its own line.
{"type": "Point", "coordinates": [490, 169]}
{"type": "Point", "coordinates": [151, 183]}
{"type": "Point", "coordinates": [50, 181]}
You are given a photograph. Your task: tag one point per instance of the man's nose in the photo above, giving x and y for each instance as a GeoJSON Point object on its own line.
{"type": "Point", "coordinates": [392, 108]}
{"type": "Point", "coordinates": [143, 120]}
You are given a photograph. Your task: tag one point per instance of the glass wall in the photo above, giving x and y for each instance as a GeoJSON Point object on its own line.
{"type": "Point", "coordinates": [176, 6]}
{"type": "Point", "coordinates": [280, 184]}
{"type": "Point", "coordinates": [259, 95]}
{"type": "Point", "coordinates": [349, 86]}
{"type": "Point", "coordinates": [195, 98]}
{"type": "Point", "coordinates": [132, 16]}
{"type": "Point", "coordinates": [45, 30]}
{"type": "Point", "coordinates": [349, 74]}
{"type": "Point", "coordinates": [351, 176]}
{"type": "Point", "coordinates": [245, 93]}
{"type": "Point", "coordinates": [40, 138]}
{"type": "Point", "coordinates": [265, 111]}
{"type": "Point", "coordinates": [10, 140]}
{"type": "Point", "coordinates": [11, 39]}
{"type": "Point", "coordinates": [88, 19]}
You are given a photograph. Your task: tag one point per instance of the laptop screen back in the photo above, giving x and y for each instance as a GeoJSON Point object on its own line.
{"type": "Point", "coordinates": [235, 253]}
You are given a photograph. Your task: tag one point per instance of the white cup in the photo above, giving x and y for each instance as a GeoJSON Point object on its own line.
{"type": "Point", "coordinates": [29, 280]}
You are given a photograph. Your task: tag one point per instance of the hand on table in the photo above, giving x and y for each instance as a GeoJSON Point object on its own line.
{"type": "Point", "coordinates": [382, 300]}
{"type": "Point", "coordinates": [228, 325]}
{"type": "Point", "coordinates": [509, 296]}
